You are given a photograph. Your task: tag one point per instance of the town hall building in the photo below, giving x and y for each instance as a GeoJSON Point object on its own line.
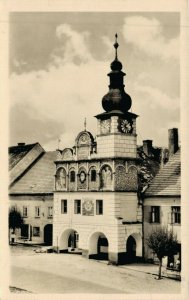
{"type": "Point", "coordinates": [96, 206]}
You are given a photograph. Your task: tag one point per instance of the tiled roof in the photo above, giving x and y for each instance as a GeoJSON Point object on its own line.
{"type": "Point", "coordinates": [21, 159]}
{"type": "Point", "coordinates": [16, 153]}
{"type": "Point", "coordinates": [168, 181]}
{"type": "Point", "coordinates": [39, 178]}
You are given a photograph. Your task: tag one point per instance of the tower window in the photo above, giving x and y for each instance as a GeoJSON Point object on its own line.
{"type": "Point", "coordinates": [77, 206]}
{"type": "Point", "coordinates": [93, 175]}
{"type": "Point", "coordinates": [72, 176]}
{"type": "Point", "coordinates": [64, 206]}
{"type": "Point", "coordinates": [99, 207]}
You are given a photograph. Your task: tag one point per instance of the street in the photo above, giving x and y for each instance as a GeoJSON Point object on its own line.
{"type": "Point", "coordinates": [68, 273]}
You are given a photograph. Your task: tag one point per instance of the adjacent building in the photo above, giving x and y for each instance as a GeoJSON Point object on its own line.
{"type": "Point", "coordinates": [162, 199]}
{"type": "Point", "coordinates": [31, 191]}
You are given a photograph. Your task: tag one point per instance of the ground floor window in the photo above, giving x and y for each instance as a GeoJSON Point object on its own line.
{"type": "Point", "coordinates": [174, 261]}
{"type": "Point", "coordinates": [36, 231]}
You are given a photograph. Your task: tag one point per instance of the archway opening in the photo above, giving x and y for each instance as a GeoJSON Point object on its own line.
{"type": "Point", "coordinates": [131, 250]}
{"type": "Point", "coordinates": [98, 246]}
{"type": "Point", "coordinates": [69, 242]}
{"type": "Point", "coordinates": [48, 230]}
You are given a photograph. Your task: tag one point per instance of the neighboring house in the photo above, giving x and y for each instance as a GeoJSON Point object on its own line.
{"type": "Point", "coordinates": [162, 202]}
{"type": "Point", "coordinates": [31, 190]}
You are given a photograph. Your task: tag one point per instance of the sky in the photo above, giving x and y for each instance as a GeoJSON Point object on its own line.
{"type": "Point", "coordinates": [58, 73]}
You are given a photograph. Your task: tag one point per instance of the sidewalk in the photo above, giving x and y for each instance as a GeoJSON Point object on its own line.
{"type": "Point", "coordinates": [153, 269]}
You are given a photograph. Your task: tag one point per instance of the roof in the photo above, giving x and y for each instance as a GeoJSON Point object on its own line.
{"type": "Point", "coordinates": [21, 158]}
{"type": "Point", "coordinates": [39, 178]}
{"type": "Point", "coordinates": [168, 181]}
{"type": "Point", "coordinates": [16, 153]}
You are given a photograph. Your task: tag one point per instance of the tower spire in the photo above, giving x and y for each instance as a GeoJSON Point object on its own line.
{"type": "Point", "coordinates": [116, 98]}
{"type": "Point", "coordinates": [116, 45]}
{"type": "Point", "coordinates": [85, 124]}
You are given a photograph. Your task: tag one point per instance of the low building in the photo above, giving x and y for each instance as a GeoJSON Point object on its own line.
{"type": "Point", "coordinates": [162, 200]}
{"type": "Point", "coordinates": [31, 191]}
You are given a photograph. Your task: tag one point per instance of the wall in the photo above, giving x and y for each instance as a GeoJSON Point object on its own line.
{"type": "Point", "coordinates": [165, 204]}
{"type": "Point", "coordinates": [115, 206]}
{"type": "Point", "coordinates": [44, 201]}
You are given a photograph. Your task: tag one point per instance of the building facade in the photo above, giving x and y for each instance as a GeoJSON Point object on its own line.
{"type": "Point", "coordinates": [96, 208]}
{"type": "Point", "coordinates": [162, 201]}
{"type": "Point", "coordinates": [31, 192]}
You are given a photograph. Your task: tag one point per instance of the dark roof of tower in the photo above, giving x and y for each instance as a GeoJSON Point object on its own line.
{"type": "Point", "coordinates": [116, 98]}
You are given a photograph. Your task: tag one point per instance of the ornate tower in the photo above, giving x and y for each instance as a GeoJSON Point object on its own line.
{"type": "Point", "coordinates": [96, 183]}
{"type": "Point", "coordinates": [116, 133]}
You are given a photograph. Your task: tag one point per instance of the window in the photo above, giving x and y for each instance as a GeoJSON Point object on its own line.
{"type": "Point", "coordinates": [175, 214]}
{"type": "Point", "coordinates": [77, 206]}
{"type": "Point", "coordinates": [25, 211]}
{"type": "Point", "coordinates": [155, 214]}
{"type": "Point", "coordinates": [99, 207]}
{"type": "Point", "coordinates": [36, 231]}
{"type": "Point", "coordinates": [72, 176]}
{"type": "Point", "coordinates": [37, 211]}
{"type": "Point", "coordinates": [93, 175]}
{"type": "Point", "coordinates": [50, 212]}
{"type": "Point", "coordinates": [64, 207]}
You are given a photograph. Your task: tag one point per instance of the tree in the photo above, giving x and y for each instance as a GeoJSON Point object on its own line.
{"type": "Point", "coordinates": [162, 242]}
{"type": "Point", "coordinates": [15, 219]}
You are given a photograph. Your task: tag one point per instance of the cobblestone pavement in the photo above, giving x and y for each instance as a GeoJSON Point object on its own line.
{"type": "Point", "coordinates": [69, 273]}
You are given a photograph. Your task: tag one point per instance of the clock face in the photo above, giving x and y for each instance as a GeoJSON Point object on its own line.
{"type": "Point", "coordinates": [126, 126]}
{"type": "Point", "coordinates": [88, 205]}
{"type": "Point", "coordinates": [105, 126]}
{"type": "Point", "coordinates": [82, 176]}
{"type": "Point", "coordinates": [83, 139]}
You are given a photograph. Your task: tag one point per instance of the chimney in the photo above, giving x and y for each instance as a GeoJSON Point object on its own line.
{"type": "Point", "coordinates": [21, 144]}
{"type": "Point", "coordinates": [173, 140]}
{"type": "Point", "coordinates": [147, 147]}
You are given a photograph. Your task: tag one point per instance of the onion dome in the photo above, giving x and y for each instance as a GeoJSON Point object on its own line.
{"type": "Point", "coordinates": [116, 98]}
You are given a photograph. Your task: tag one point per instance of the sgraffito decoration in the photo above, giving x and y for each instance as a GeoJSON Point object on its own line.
{"type": "Point", "coordinates": [120, 178]}
{"type": "Point", "coordinates": [88, 207]}
{"type": "Point", "coordinates": [132, 179]}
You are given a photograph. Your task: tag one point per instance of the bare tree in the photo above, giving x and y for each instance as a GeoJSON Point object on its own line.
{"type": "Point", "coordinates": [162, 242]}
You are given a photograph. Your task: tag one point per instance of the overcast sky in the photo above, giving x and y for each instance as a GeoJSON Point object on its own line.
{"type": "Point", "coordinates": [58, 73]}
